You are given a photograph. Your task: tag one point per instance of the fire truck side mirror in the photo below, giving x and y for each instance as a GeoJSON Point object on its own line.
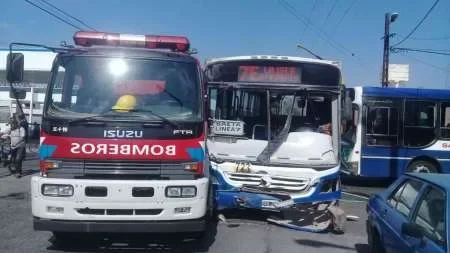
{"type": "Point", "coordinates": [14, 67]}
{"type": "Point", "coordinates": [17, 94]}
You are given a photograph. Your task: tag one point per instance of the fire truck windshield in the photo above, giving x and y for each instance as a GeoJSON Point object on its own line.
{"type": "Point", "coordinates": [152, 89]}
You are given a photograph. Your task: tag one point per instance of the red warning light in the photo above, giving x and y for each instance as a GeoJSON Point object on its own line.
{"type": "Point", "coordinates": [174, 43]}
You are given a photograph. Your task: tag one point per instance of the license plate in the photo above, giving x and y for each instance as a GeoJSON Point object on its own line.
{"type": "Point", "coordinates": [268, 203]}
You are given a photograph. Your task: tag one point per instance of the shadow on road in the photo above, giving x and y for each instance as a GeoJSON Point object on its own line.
{"type": "Point", "coordinates": [15, 195]}
{"type": "Point", "coordinates": [362, 248]}
{"type": "Point", "coordinates": [365, 182]}
{"type": "Point", "coordinates": [319, 244]}
{"type": "Point", "coordinates": [134, 242]}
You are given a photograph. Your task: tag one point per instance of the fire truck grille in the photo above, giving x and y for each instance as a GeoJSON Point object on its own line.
{"type": "Point", "coordinates": [89, 211]}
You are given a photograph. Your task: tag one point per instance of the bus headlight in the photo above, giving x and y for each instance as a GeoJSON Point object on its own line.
{"type": "Point", "coordinates": [57, 190]}
{"type": "Point", "coordinates": [181, 191]}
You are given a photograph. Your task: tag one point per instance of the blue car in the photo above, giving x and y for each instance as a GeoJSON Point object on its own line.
{"type": "Point", "coordinates": [411, 215]}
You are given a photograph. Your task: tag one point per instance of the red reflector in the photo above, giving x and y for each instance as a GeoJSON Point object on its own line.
{"type": "Point", "coordinates": [174, 43]}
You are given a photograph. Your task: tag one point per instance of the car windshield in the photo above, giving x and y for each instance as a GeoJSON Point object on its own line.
{"type": "Point", "coordinates": [87, 86]}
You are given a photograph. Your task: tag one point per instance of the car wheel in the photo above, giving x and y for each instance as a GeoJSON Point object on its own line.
{"type": "Point", "coordinates": [422, 167]}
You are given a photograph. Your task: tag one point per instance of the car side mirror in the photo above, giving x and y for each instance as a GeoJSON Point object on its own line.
{"type": "Point", "coordinates": [413, 230]}
{"type": "Point", "coordinates": [14, 67]}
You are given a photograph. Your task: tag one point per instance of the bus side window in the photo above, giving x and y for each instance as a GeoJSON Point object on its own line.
{"type": "Point", "coordinates": [382, 126]}
{"type": "Point", "coordinates": [445, 120]}
{"type": "Point", "coordinates": [419, 123]}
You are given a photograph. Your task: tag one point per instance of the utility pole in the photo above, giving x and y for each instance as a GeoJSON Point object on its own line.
{"type": "Point", "coordinates": [388, 19]}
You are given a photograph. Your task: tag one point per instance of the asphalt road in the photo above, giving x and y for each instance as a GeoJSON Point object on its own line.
{"type": "Point", "coordinates": [250, 233]}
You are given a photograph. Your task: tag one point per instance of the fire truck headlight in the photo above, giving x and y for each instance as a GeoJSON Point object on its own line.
{"type": "Point", "coordinates": [189, 191]}
{"type": "Point", "coordinates": [181, 191]}
{"type": "Point", "coordinates": [173, 192]}
{"type": "Point", "coordinates": [56, 190]}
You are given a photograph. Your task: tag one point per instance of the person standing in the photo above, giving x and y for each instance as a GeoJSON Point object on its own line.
{"type": "Point", "coordinates": [17, 135]}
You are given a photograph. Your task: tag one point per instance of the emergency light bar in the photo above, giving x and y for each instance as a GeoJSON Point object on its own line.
{"type": "Point", "coordinates": [174, 43]}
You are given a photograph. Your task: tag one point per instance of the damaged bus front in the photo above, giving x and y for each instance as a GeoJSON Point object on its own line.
{"type": "Point", "coordinates": [274, 137]}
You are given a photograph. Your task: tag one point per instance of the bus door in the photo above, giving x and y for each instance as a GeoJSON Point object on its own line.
{"type": "Point", "coordinates": [381, 154]}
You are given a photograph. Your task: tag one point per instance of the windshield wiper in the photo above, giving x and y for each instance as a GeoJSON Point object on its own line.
{"type": "Point", "coordinates": [104, 114]}
{"type": "Point", "coordinates": [164, 119]}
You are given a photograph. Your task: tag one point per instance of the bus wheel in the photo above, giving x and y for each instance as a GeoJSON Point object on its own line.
{"type": "Point", "coordinates": [422, 166]}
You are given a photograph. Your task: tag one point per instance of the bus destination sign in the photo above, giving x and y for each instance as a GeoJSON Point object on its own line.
{"type": "Point", "coordinates": [268, 74]}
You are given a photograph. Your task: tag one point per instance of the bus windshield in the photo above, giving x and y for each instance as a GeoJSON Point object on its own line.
{"type": "Point", "coordinates": [88, 85]}
{"type": "Point", "coordinates": [308, 110]}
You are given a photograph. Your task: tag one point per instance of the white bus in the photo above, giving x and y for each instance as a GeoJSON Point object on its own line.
{"type": "Point", "coordinates": [274, 137]}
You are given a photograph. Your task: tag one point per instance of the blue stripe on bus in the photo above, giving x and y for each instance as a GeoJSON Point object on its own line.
{"type": "Point", "coordinates": [392, 162]}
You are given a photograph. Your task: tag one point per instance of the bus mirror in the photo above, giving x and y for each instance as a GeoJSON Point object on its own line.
{"type": "Point", "coordinates": [348, 112]}
{"type": "Point", "coordinates": [350, 94]}
{"type": "Point", "coordinates": [14, 67]}
{"type": "Point", "coordinates": [17, 94]}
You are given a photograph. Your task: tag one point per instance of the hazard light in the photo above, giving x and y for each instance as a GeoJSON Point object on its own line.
{"type": "Point", "coordinates": [174, 43]}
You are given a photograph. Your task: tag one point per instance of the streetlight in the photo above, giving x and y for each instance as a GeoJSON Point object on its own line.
{"type": "Point", "coordinates": [389, 18]}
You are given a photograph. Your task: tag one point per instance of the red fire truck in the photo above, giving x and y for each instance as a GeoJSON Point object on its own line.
{"type": "Point", "coordinates": [122, 137]}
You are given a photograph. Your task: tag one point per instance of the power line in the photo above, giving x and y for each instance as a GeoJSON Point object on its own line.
{"type": "Point", "coordinates": [53, 15]}
{"type": "Point", "coordinates": [288, 7]}
{"type": "Point", "coordinates": [427, 63]}
{"type": "Point", "coordinates": [67, 14]}
{"type": "Point", "coordinates": [429, 51]}
{"type": "Point", "coordinates": [309, 17]}
{"type": "Point", "coordinates": [436, 38]}
{"type": "Point", "coordinates": [420, 23]}
{"type": "Point", "coordinates": [343, 16]}
{"type": "Point", "coordinates": [331, 11]}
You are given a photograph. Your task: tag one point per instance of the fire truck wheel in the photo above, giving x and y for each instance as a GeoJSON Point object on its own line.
{"type": "Point", "coordinates": [206, 238]}
{"type": "Point", "coordinates": [63, 239]}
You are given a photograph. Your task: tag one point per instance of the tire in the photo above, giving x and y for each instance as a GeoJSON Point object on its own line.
{"type": "Point", "coordinates": [62, 240]}
{"type": "Point", "coordinates": [421, 166]}
{"type": "Point", "coordinates": [375, 245]}
{"type": "Point", "coordinates": [205, 238]}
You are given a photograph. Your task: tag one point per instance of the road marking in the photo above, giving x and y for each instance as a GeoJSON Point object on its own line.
{"type": "Point", "coordinates": [356, 195]}
{"type": "Point", "coordinates": [352, 201]}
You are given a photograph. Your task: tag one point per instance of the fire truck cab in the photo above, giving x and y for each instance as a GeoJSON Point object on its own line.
{"type": "Point", "coordinates": [122, 138]}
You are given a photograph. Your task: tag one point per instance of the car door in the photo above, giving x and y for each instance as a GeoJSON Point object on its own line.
{"type": "Point", "coordinates": [397, 211]}
{"type": "Point", "coordinates": [431, 216]}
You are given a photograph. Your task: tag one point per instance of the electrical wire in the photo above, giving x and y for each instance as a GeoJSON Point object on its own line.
{"type": "Point", "coordinates": [426, 63]}
{"type": "Point", "coordinates": [418, 25]}
{"type": "Point", "coordinates": [331, 11]}
{"type": "Point", "coordinates": [53, 15]}
{"type": "Point", "coordinates": [67, 14]}
{"type": "Point", "coordinates": [343, 16]}
{"type": "Point", "coordinates": [288, 7]}
{"type": "Point", "coordinates": [309, 17]}
{"type": "Point", "coordinates": [429, 51]}
{"type": "Point", "coordinates": [436, 38]}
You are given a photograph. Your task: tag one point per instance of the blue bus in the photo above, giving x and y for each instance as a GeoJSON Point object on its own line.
{"type": "Point", "coordinates": [396, 130]}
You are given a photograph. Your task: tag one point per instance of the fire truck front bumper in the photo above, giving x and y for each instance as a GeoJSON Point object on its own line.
{"type": "Point", "coordinates": [86, 205]}
{"type": "Point", "coordinates": [196, 225]}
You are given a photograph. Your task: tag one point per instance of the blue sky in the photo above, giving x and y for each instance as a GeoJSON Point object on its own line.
{"type": "Point", "coordinates": [243, 27]}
